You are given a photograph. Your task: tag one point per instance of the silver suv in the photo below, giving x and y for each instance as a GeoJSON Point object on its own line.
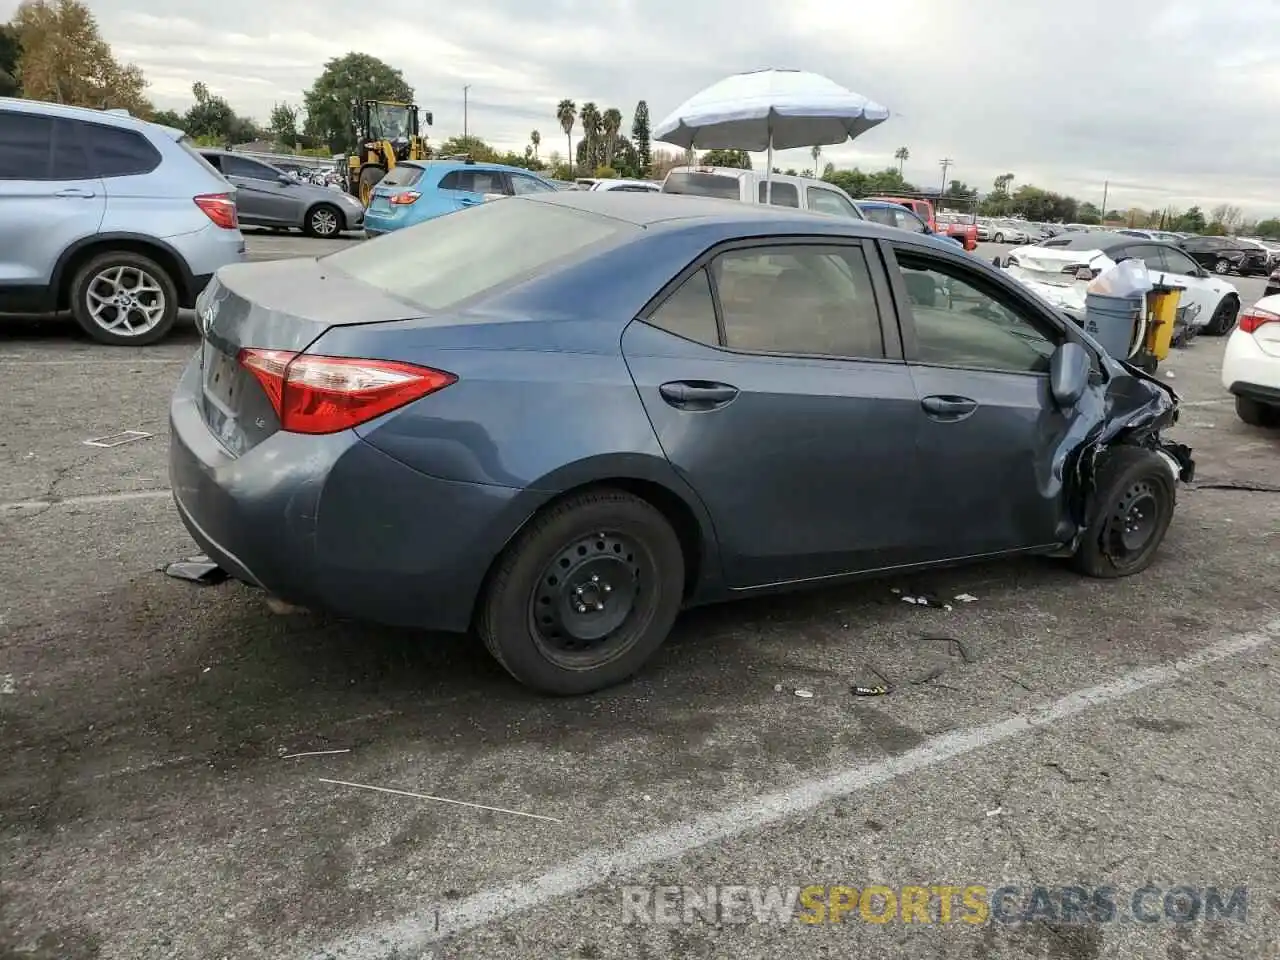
{"type": "Point", "coordinates": [114, 218]}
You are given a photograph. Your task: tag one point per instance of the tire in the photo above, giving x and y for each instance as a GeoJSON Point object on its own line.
{"type": "Point", "coordinates": [369, 178]}
{"type": "Point", "coordinates": [324, 221]}
{"type": "Point", "coordinates": [533, 609]}
{"type": "Point", "coordinates": [124, 273]}
{"type": "Point", "coordinates": [1224, 318]}
{"type": "Point", "coordinates": [1222, 267]}
{"type": "Point", "coordinates": [1257, 414]}
{"type": "Point", "coordinates": [1134, 485]}
{"type": "Point", "coordinates": [998, 238]}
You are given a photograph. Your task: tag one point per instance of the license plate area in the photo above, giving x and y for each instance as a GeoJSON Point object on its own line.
{"type": "Point", "coordinates": [223, 378]}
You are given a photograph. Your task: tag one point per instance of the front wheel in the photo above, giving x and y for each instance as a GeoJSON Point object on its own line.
{"type": "Point", "coordinates": [1222, 267]}
{"type": "Point", "coordinates": [585, 594]}
{"type": "Point", "coordinates": [999, 238]}
{"type": "Point", "coordinates": [1257, 414]}
{"type": "Point", "coordinates": [1132, 506]}
{"type": "Point", "coordinates": [324, 220]}
{"type": "Point", "coordinates": [1224, 318]}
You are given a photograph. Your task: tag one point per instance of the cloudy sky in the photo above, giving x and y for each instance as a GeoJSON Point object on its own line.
{"type": "Point", "coordinates": [1172, 102]}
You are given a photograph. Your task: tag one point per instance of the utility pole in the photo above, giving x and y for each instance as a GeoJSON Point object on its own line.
{"type": "Point", "coordinates": [464, 110]}
{"type": "Point", "coordinates": [1106, 185]}
{"type": "Point", "coordinates": [945, 163]}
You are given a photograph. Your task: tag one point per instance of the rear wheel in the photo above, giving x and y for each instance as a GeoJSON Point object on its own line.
{"type": "Point", "coordinates": [369, 178]}
{"type": "Point", "coordinates": [585, 594]}
{"type": "Point", "coordinates": [324, 220]}
{"type": "Point", "coordinates": [1222, 266]}
{"type": "Point", "coordinates": [1224, 318]}
{"type": "Point", "coordinates": [1257, 414]}
{"type": "Point", "coordinates": [998, 238]}
{"type": "Point", "coordinates": [124, 299]}
{"type": "Point", "coordinates": [1133, 502]}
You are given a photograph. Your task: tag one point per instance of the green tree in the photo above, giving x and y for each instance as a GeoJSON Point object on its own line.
{"type": "Point", "coordinates": [852, 182]}
{"type": "Point", "coordinates": [610, 124]}
{"type": "Point", "coordinates": [902, 155]}
{"type": "Point", "coordinates": [890, 181]}
{"type": "Point", "coordinates": [170, 118]}
{"type": "Point", "coordinates": [212, 120]}
{"type": "Point", "coordinates": [10, 54]}
{"type": "Point", "coordinates": [640, 136]}
{"type": "Point", "coordinates": [535, 141]}
{"type": "Point", "coordinates": [1269, 228]}
{"type": "Point", "coordinates": [589, 117]}
{"type": "Point", "coordinates": [1088, 213]}
{"type": "Point", "coordinates": [566, 115]}
{"type": "Point", "coordinates": [354, 76]}
{"type": "Point", "coordinates": [1002, 182]}
{"type": "Point", "coordinates": [65, 60]}
{"type": "Point", "coordinates": [816, 152]}
{"type": "Point", "coordinates": [470, 146]}
{"type": "Point", "coordinates": [1193, 221]}
{"type": "Point", "coordinates": [958, 188]}
{"type": "Point", "coordinates": [738, 159]}
{"type": "Point", "coordinates": [284, 125]}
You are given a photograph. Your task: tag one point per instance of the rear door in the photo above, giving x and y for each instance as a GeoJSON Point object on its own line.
{"type": "Point", "coordinates": [48, 197]}
{"type": "Point", "coordinates": [261, 197]}
{"type": "Point", "coordinates": [990, 435]}
{"type": "Point", "coordinates": [779, 395]}
{"type": "Point", "coordinates": [467, 187]}
{"type": "Point", "coordinates": [822, 200]}
{"type": "Point", "coordinates": [1200, 293]}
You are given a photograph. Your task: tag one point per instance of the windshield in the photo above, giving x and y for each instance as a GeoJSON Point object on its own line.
{"type": "Point", "coordinates": [443, 261]}
{"type": "Point", "coordinates": [703, 184]}
{"type": "Point", "coordinates": [388, 121]}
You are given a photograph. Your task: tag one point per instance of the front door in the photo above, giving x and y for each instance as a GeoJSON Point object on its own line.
{"type": "Point", "coordinates": [1199, 293]}
{"type": "Point", "coordinates": [261, 197]}
{"type": "Point", "coordinates": [776, 394]}
{"type": "Point", "coordinates": [991, 440]}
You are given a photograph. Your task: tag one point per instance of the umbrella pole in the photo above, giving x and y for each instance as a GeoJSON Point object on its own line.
{"type": "Point", "coordinates": [768, 178]}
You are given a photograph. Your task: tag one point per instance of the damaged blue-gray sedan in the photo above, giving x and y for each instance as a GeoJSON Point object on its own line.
{"type": "Point", "coordinates": [556, 420]}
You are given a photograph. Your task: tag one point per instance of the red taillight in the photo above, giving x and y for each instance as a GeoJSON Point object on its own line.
{"type": "Point", "coordinates": [1254, 317]}
{"type": "Point", "coordinates": [313, 394]}
{"type": "Point", "coordinates": [220, 208]}
{"type": "Point", "coordinates": [406, 198]}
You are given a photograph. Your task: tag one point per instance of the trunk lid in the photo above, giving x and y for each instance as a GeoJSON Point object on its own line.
{"type": "Point", "coordinates": [282, 305]}
{"type": "Point", "coordinates": [1050, 266]}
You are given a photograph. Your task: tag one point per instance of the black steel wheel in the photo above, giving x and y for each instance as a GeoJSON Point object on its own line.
{"type": "Point", "coordinates": [585, 594]}
{"type": "Point", "coordinates": [1130, 512]}
{"type": "Point", "coordinates": [1224, 317]}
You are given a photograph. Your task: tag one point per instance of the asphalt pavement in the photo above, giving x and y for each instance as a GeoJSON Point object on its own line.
{"type": "Point", "coordinates": [188, 774]}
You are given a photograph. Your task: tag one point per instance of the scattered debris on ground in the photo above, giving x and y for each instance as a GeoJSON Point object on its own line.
{"type": "Point", "coordinates": [426, 796]}
{"type": "Point", "coordinates": [118, 439]}
{"type": "Point", "coordinates": [804, 694]}
{"type": "Point", "coordinates": [313, 753]}
{"type": "Point", "coordinates": [198, 569]}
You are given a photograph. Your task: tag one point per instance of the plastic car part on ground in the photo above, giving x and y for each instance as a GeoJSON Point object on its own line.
{"type": "Point", "coordinates": [198, 569]}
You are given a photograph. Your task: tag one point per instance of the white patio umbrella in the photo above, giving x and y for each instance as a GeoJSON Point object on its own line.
{"type": "Point", "coordinates": [768, 110]}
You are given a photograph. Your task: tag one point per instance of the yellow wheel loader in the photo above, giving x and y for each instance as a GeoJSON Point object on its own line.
{"type": "Point", "coordinates": [386, 132]}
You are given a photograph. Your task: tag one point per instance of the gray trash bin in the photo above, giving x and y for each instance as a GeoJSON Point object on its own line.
{"type": "Point", "coordinates": [1113, 321]}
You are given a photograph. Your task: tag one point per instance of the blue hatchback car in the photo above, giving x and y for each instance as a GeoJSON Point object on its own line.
{"type": "Point", "coordinates": [419, 190]}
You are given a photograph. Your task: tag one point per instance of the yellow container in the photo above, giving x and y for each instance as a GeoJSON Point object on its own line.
{"type": "Point", "coordinates": [1162, 311]}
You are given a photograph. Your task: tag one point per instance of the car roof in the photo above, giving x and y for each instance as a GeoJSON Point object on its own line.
{"type": "Point", "coordinates": [469, 165]}
{"type": "Point", "coordinates": [1098, 240]}
{"type": "Point", "coordinates": [108, 117]}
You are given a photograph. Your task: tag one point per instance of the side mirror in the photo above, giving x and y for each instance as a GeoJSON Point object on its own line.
{"type": "Point", "coordinates": [1069, 374]}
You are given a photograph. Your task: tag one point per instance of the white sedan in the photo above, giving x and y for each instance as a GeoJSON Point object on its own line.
{"type": "Point", "coordinates": [1053, 269]}
{"type": "Point", "coordinates": [1251, 364]}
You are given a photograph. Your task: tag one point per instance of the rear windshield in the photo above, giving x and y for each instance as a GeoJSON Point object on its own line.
{"type": "Point", "coordinates": [188, 145]}
{"type": "Point", "coordinates": [703, 185]}
{"type": "Point", "coordinates": [444, 261]}
{"type": "Point", "coordinates": [403, 175]}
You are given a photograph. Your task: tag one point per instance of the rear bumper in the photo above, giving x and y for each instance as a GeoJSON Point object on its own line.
{"type": "Point", "coordinates": [1248, 370]}
{"type": "Point", "coordinates": [204, 252]}
{"type": "Point", "coordinates": [332, 523]}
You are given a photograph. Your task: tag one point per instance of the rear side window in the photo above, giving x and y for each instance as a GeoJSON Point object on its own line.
{"type": "Point", "coordinates": [690, 312]}
{"type": "Point", "coordinates": [402, 175]}
{"type": "Point", "coordinates": [441, 262]}
{"type": "Point", "coordinates": [521, 184]}
{"type": "Point", "coordinates": [703, 185]}
{"type": "Point", "coordinates": [784, 194]}
{"type": "Point", "coordinates": [115, 152]}
{"type": "Point", "coordinates": [26, 146]}
{"type": "Point", "coordinates": [473, 181]}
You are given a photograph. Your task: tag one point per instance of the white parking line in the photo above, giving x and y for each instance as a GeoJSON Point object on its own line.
{"type": "Point", "coordinates": [93, 361]}
{"type": "Point", "coordinates": [417, 931]}
{"type": "Point", "coordinates": [88, 499]}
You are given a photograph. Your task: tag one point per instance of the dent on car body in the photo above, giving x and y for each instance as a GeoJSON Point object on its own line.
{"type": "Point", "coordinates": [1131, 408]}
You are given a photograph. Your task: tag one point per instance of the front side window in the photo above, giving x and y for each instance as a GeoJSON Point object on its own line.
{"type": "Point", "coordinates": [828, 201]}
{"type": "Point", "coordinates": [960, 324]}
{"type": "Point", "coordinates": [26, 146]}
{"type": "Point", "coordinates": [1175, 261]}
{"type": "Point", "coordinates": [798, 299]}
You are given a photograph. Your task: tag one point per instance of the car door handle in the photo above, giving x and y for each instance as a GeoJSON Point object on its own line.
{"type": "Point", "coordinates": [697, 394]}
{"type": "Point", "coordinates": [469, 201]}
{"type": "Point", "coordinates": [948, 407]}
{"type": "Point", "coordinates": [75, 193]}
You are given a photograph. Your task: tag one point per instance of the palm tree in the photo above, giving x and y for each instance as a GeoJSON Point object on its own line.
{"type": "Point", "coordinates": [535, 141]}
{"type": "Point", "coordinates": [815, 152]}
{"type": "Point", "coordinates": [567, 113]}
{"type": "Point", "coordinates": [902, 155]}
{"type": "Point", "coordinates": [612, 123]}
{"type": "Point", "coordinates": [590, 117]}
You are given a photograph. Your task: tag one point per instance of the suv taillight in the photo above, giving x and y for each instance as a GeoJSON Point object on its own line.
{"type": "Point", "coordinates": [220, 208]}
{"type": "Point", "coordinates": [1254, 317]}
{"type": "Point", "coordinates": [406, 198]}
{"type": "Point", "coordinates": [313, 394]}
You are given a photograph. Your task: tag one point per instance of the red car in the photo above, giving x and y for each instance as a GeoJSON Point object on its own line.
{"type": "Point", "coordinates": [966, 233]}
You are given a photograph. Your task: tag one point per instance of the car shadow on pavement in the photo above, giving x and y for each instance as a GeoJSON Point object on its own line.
{"type": "Point", "coordinates": [57, 331]}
